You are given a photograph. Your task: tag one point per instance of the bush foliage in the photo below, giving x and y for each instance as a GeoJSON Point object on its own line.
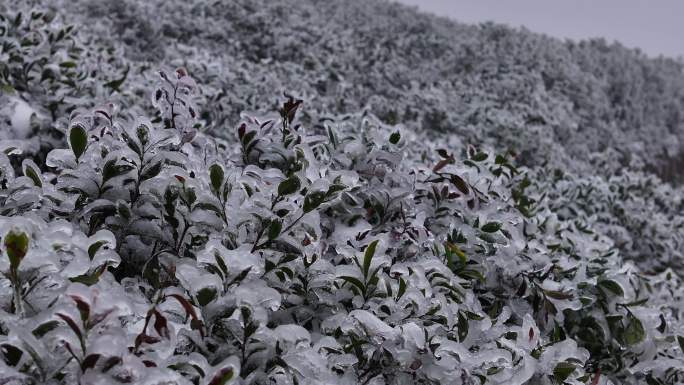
{"type": "Point", "coordinates": [137, 246]}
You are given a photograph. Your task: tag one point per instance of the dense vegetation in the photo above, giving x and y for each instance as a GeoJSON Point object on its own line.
{"type": "Point", "coordinates": [438, 204]}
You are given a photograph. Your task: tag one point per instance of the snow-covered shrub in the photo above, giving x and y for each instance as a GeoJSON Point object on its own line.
{"type": "Point", "coordinates": [345, 252]}
{"type": "Point", "coordinates": [39, 74]}
{"type": "Point", "coordinates": [641, 213]}
{"type": "Point", "coordinates": [295, 249]}
{"type": "Point", "coordinates": [46, 72]}
{"type": "Point", "coordinates": [489, 83]}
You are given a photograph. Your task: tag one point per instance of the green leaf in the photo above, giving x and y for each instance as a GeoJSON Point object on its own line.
{"type": "Point", "coordinates": [86, 279]}
{"type": "Point", "coordinates": [78, 140]}
{"type": "Point", "coordinates": [6, 88]}
{"type": "Point", "coordinates": [92, 249]}
{"type": "Point", "coordinates": [334, 188]}
{"type": "Point", "coordinates": [563, 370]}
{"type": "Point", "coordinates": [16, 246]}
{"type": "Point", "coordinates": [116, 83]}
{"type": "Point", "coordinates": [248, 137]}
{"type": "Point", "coordinates": [206, 295]}
{"type": "Point", "coordinates": [112, 170]}
{"type": "Point", "coordinates": [612, 286]}
{"type": "Point", "coordinates": [494, 370]}
{"type": "Point", "coordinates": [11, 354]}
{"type": "Point", "coordinates": [402, 288]}
{"type": "Point", "coordinates": [289, 186]}
{"type": "Point", "coordinates": [450, 247]}
{"type": "Point", "coordinates": [285, 247]}
{"type": "Point", "coordinates": [274, 229]}
{"type": "Point", "coordinates": [209, 207]}
{"type": "Point", "coordinates": [473, 316]}
{"type": "Point", "coordinates": [680, 341]}
{"type": "Point", "coordinates": [663, 325]}
{"type": "Point", "coordinates": [471, 274]}
{"type": "Point", "coordinates": [33, 174]}
{"type": "Point", "coordinates": [395, 137]}
{"type": "Point", "coordinates": [634, 332]}
{"type": "Point", "coordinates": [354, 281]}
{"type": "Point", "coordinates": [313, 200]}
{"type": "Point", "coordinates": [287, 258]}
{"type": "Point", "coordinates": [143, 134]}
{"type": "Point", "coordinates": [491, 227]}
{"type": "Point", "coordinates": [557, 294]}
{"type": "Point", "coordinates": [221, 264]}
{"type": "Point", "coordinates": [132, 143]}
{"type": "Point", "coordinates": [462, 327]}
{"type": "Point", "coordinates": [45, 328]}
{"type": "Point", "coordinates": [368, 257]}
{"type": "Point", "coordinates": [152, 171]}
{"type": "Point", "coordinates": [480, 156]}
{"type": "Point", "coordinates": [67, 64]}
{"type": "Point", "coordinates": [216, 176]}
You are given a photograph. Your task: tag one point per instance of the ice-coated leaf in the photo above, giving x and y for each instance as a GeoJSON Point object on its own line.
{"type": "Point", "coordinates": [368, 257]}
{"type": "Point", "coordinates": [613, 286]}
{"type": "Point", "coordinates": [289, 186]}
{"type": "Point", "coordinates": [313, 200]}
{"type": "Point", "coordinates": [491, 227]}
{"type": "Point", "coordinates": [16, 245]}
{"type": "Point", "coordinates": [258, 295]}
{"type": "Point", "coordinates": [274, 229]}
{"type": "Point", "coordinates": [634, 331]}
{"type": "Point", "coordinates": [32, 171]}
{"type": "Point", "coordinates": [555, 294]}
{"type": "Point", "coordinates": [72, 324]}
{"type": "Point", "coordinates": [395, 137]}
{"type": "Point", "coordinates": [224, 372]}
{"type": "Point", "coordinates": [292, 336]}
{"type": "Point", "coordinates": [365, 322]}
{"type": "Point", "coordinates": [216, 176]}
{"type": "Point", "coordinates": [460, 184]}
{"type": "Point", "coordinates": [78, 140]}
{"type": "Point", "coordinates": [563, 370]}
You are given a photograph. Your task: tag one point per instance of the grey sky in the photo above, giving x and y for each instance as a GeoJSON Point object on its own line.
{"type": "Point", "coordinates": [655, 26]}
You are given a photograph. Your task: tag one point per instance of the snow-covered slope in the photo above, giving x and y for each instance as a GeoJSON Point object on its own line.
{"type": "Point", "coordinates": [511, 88]}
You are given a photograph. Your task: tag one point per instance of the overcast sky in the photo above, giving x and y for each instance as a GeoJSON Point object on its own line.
{"type": "Point", "coordinates": [655, 26]}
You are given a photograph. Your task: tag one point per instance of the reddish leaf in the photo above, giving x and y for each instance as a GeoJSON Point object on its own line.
{"type": "Point", "coordinates": [144, 338]}
{"type": "Point", "coordinates": [83, 307]}
{"type": "Point", "coordinates": [442, 163]}
{"type": "Point", "coordinates": [186, 305]}
{"type": "Point", "coordinates": [149, 364]}
{"type": "Point", "coordinates": [71, 324]}
{"type": "Point", "coordinates": [597, 377]}
{"type": "Point", "coordinates": [160, 324]}
{"type": "Point", "coordinates": [90, 361]}
{"type": "Point", "coordinates": [241, 130]}
{"type": "Point", "coordinates": [222, 377]}
{"type": "Point", "coordinates": [196, 323]}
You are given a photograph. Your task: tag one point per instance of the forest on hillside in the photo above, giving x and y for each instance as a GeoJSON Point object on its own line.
{"type": "Point", "coordinates": [323, 192]}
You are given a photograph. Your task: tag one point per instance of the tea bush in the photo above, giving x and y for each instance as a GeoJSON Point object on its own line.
{"type": "Point", "coordinates": [297, 250]}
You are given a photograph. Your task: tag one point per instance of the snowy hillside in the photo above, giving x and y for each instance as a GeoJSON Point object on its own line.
{"type": "Point", "coordinates": [319, 192]}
